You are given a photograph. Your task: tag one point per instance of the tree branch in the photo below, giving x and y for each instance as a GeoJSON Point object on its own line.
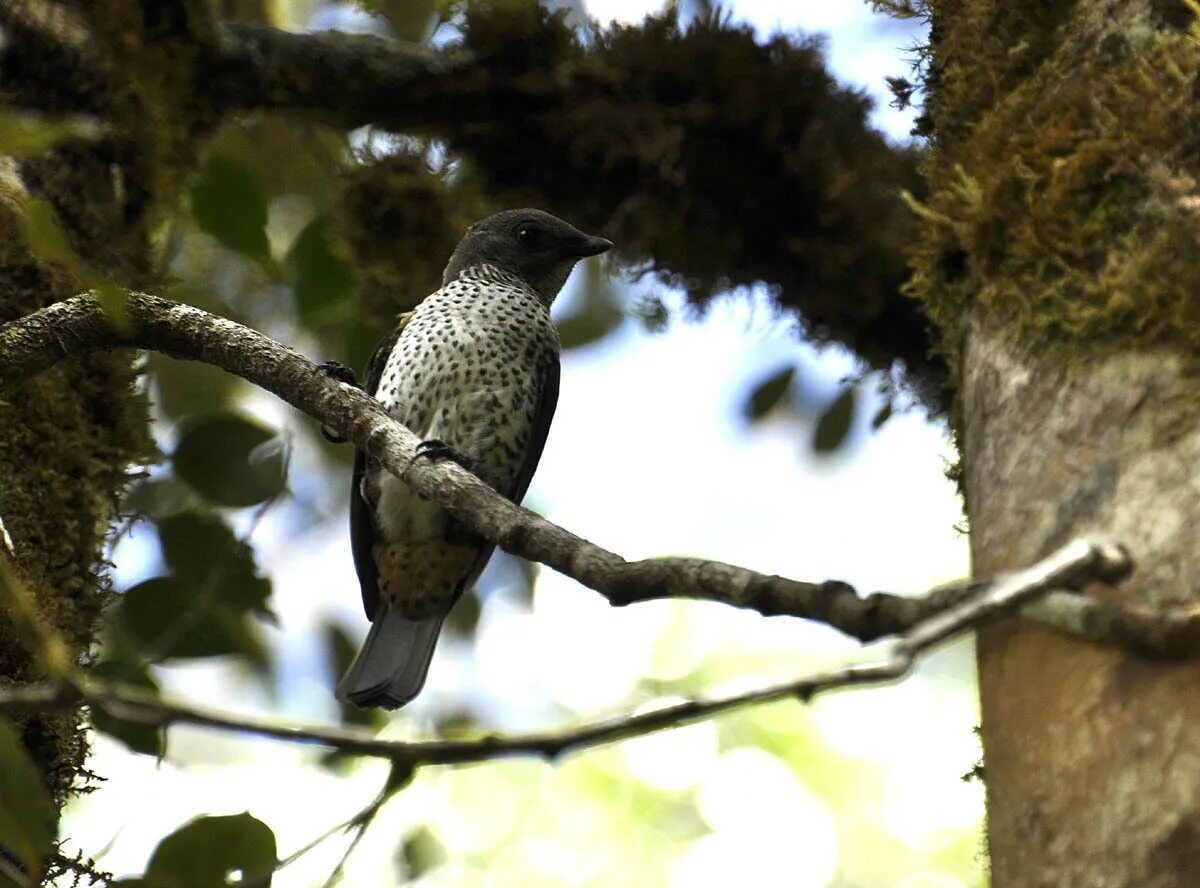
{"type": "Point", "coordinates": [593, 125]}
{"type": "Point", "coordinates": [36, 342]}
{"type": "Point", "coordinates": [1074, 565]}
{"type": "Point", "coordinates": [595, 128]}
{"type": "Point", "coordinates": [48, 60]}
{"type": "Point", "coordinates": [344, 79]}
{"type": "Point", "coordinates": [1169, 632]}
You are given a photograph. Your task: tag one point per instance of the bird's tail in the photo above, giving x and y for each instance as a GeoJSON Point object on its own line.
{"type": "Point", "coordinates": [391, 667]}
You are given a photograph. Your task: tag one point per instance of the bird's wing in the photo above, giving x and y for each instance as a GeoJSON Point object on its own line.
{"type": "Point", "coordinates": [542, 416]}
{"type": "Point", "coordinates": [362, 521]}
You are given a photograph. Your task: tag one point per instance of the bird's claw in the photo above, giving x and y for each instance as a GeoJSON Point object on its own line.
{"type": "Point", "coordinates": [436, 451]}
{"type": "Point", "coordinates": [340, 372]}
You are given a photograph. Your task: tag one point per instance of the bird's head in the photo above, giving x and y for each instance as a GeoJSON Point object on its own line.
{"type": "Point", "coordinates": [539, 248]}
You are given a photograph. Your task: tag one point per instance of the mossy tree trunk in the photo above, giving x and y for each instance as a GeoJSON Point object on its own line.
{"type": "Point", "coordinates": [1062, 262]}
{"type": "Point", "coordinates": [69, 437]}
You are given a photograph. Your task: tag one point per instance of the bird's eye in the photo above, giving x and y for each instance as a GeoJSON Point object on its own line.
{"type": "Point", "coordinates": [531, 238]}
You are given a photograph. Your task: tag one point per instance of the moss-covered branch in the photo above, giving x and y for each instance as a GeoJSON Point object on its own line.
{"type": "Point", "coordinates": [346, 80]}
{"type": "Point", "coordinates": [712, 159]}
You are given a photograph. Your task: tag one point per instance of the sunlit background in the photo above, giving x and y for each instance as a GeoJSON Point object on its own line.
{"type": "Point", "coordinates": [659, 448]}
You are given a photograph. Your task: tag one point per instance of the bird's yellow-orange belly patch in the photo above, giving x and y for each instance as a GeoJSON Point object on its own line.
{"type": "Point", "coordinates": [421, 579]}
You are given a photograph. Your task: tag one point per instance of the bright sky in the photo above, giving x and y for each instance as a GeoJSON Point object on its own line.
{"type": "Point", "coordinates": [648, 456]}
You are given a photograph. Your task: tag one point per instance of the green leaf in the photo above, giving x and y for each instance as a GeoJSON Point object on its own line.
{"type": "Point", "coordinates": [143, 738]}
{"type": "Point", "coordinates": [229, 203]}
{"type": "Point", "coordinates": [322, 279]}
{"type": "Point", "coordinates": [157, 498]}
{"type": "Point", "coordinates": [768, 393]}
{"type": "Point", "coordinates": [46, 236]}
{"type": "Point", "coordinates": [421, 852]}
{"type": "Point", "coordinates": [883, 414]}
{"type": "Point", "coordinates": [22, 135]}
{"type": "Point", "coordinates": [463, 618]}
{"type": "Point", "coordinates": [223, 458]}
{"type": "Point", "coordinates": [185, 388]}
{"type": "Point", "coordinates": [203, 608]}
{"type": "Point", "coordinates": [195, 544]}
{"type": "Point", "coordinates": [834, 424]}
{"type": "Point", "coordinates": [207, 851]}
{"type": "Point", "coordinates": [588, 326]}
{"type": "Point", "coordinates": [170, 618]}
{"type": "Point", "coordinates": [201, 548]}
{"type": "Point", "coordinates": [28, 820]}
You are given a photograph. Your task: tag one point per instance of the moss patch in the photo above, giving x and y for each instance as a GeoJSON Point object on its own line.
{"type": "Point", "coordinates": [714, 160]}
{"type": "Point", "coordinates": [400, 223]}
{"type": "Point", "coordinates": [1065, 198]}
{"type": "Point", "coordinates": [66, 438]}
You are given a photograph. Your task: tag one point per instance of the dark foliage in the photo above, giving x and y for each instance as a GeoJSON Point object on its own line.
{"type": "Point", "coordinates": [712, 160]}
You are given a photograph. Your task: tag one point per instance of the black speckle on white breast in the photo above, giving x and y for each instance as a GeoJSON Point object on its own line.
{"type": "Point", "coordinates": [466, 370]}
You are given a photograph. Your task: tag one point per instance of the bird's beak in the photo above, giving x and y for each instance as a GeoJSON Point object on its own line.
{"type": "Point", "coordinates": [592, 246]}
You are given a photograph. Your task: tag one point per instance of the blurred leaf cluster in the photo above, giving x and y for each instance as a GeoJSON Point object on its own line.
{"type": "Point", "coordinates": [834, 422]}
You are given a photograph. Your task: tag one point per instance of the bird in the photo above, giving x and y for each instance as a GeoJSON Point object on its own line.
{"type": "Point", "coordinates": [473, 371]}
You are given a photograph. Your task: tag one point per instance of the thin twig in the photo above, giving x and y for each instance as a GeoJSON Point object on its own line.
{"type": "Point", "coordinates": [360, 825]}
{"type": "Point", "coordinates": [361, 819]}
{"type": "Point", "coordinates": [13, 873]}
{"type": "Point", "coordinates": [1074, 565]}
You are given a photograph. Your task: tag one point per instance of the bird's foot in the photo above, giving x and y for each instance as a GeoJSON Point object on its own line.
{"type": "Point", "coordinates": [338, 371]}
{"type": "Point", "coordinates": [436, 451]}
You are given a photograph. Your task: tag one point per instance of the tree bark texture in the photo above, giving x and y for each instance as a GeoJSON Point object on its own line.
{"type": "Point", "coordinates": [1092, 755]}
{"type": "Point", "coordinates": [1060, 261]}
{"type": "Point", "coordinates": [69, 437]}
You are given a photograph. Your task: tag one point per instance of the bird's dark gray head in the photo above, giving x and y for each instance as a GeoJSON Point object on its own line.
{"type": "Point", "coordinates": [537, 247]}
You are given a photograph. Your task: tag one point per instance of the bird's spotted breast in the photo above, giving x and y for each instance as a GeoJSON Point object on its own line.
{"type": "Point", "coordinates": [467, 371]}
